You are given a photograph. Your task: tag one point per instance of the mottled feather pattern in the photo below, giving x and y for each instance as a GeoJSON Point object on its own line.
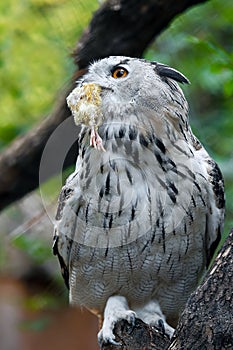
{"type": "Point", "coordinates": [137, 222]}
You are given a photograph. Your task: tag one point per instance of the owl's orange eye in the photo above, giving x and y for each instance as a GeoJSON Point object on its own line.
{"type": "Point", "coordinates": [119, 72]}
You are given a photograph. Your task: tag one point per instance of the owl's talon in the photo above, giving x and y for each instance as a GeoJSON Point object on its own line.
{"type": "Point", "coordinates": [107, 341]}
{"type": "Point", "coordinates": [106, 334]}
{"type": "Point", "coordinates": [110, 339]}
{"type": "Point", "coordinates": [113, 342]}
{"type": "Point", "coordinates": [151, 314]}
{"type": "Point", "coordinates": [116, 309]}
{"type": "Point", "coordinates": [131, 321]}
{"type": "Point", "coordinates": [130, 327]}
{"type": "Point", "coordinates": [161, 325]}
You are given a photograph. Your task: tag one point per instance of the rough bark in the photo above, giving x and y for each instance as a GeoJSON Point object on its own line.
{"type": "Point", "coordinates": [206, 322]}
{"type": "Point", "coordinates": [119, 27]}
{"type": "Point", "coordinates": [140, 337]}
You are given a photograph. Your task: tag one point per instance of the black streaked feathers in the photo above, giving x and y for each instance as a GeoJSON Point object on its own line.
{"type": "Point", "coordinates": [217, 182]}
{"type": "Point", "coordinates": [64, 268]}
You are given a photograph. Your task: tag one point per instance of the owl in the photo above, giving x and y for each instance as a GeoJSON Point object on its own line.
{"type": "Point", "coordinates": [139, 219]}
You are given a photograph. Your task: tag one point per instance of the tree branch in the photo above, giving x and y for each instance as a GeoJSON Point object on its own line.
{"type": "Point", "coordinates": [119, 27]}
{"type": "Point", "coordinates": [126, 27]}
{"type": "Point", "coordinates": [140, 337]}
{"type": "Point", "coordinates": [207, 321]}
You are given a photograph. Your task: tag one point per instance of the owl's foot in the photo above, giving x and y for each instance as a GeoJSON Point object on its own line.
{"type": "Point", "coordinates": [151, 314]}
{"type": "Point", "coordinates": [96, 141]}
{"type": "Point", "coordinates": [116, 309]}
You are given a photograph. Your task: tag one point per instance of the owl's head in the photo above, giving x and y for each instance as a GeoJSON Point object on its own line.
{"type": "Point", "coordinates": [133, 84]}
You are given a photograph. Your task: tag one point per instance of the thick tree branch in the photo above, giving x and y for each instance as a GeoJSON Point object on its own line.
{"type": "Point", "coordinates": [206, 322]}
{"type": "Point", "coordinates": [140, 337]}
{"type": "Point", "coordinates": [119, 27]}
{"type": "Point", "coordinates": [126, 27]}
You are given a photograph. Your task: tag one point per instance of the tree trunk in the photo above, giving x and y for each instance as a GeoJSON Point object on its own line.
{"type": "Point", "coordinates": [119, 27]}
{"type": "Point", "coordinates": [206, 322]}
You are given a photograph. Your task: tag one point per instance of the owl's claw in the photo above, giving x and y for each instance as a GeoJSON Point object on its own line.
{"type": "Point", "coordinates": [151, 314]}
{"type": "Point", "coordinates": [116, 310]}
{"type": "Point", "coordinates": [106, 334]}
{"type": "Point", "coordinates": [161, 325]}
{"type": "Point", "coordinates": [102, 340]}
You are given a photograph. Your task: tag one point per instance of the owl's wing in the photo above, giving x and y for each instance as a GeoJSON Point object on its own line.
{"type": "Point", "coordinates": [215, 220]}
{"type": "Point", "coordinates": [62, 261]}
{"type": "Point", "coordinates": [65, 223]}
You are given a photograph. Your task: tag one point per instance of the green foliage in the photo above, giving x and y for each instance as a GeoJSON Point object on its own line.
{"type": "Point", "coordinates": [36, 325]}
{"type": "Point", "coordinates": [37, 249]}
{"type": "Point", "coordinates": [37, 38]}
{"type": "Point", "coordinates": [42, 301]}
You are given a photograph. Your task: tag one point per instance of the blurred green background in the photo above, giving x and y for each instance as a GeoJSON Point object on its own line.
{"type": "Point", "coordinates": [36, 40]}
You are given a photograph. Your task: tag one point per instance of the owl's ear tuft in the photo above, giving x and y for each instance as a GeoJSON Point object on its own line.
{"type": "Point", "coordinates": [167, 72]}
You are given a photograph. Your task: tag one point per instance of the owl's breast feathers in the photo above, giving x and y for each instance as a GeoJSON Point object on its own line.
{"type": "Point", "coordinates": [147, 209]}
{"type": "Point", "coordinates": [139, 219]}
